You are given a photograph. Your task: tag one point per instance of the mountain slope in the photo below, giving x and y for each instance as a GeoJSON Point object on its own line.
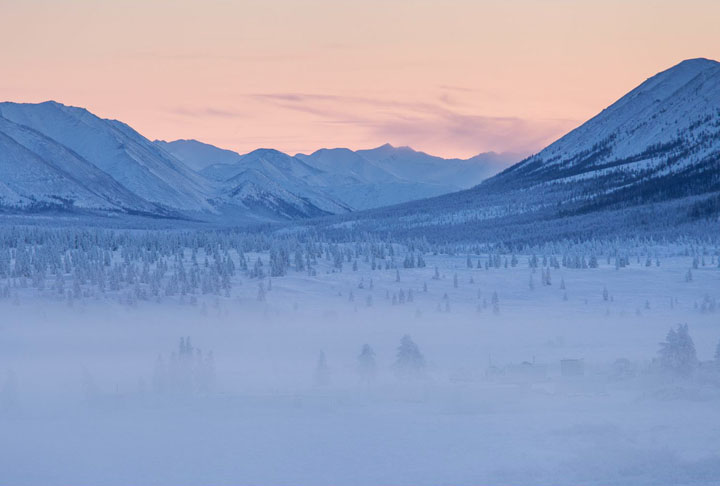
{"type": "Point", "coordinates": [656, 147]}
{"type": "Point", "coordinates": [197, 155]}
{"type": "Point", "coordinates": [411, 165]}
{"type": "Point", "coordinates": [66, 158]}
{"type": "Point", "coordinates": [37, 172]}
{"type": "Point", "coordinates": [284, 177]}
{"type": "Point", "coordinates": [346, 163]}
{"type": "Point", "coordinates": [660, 141]}
{"type": "Point", "coordinates": [117, 150]}
{"type": "Point", "coordinates": [338, 180]}
{"type": "Point", "coordinates": [389, 175]}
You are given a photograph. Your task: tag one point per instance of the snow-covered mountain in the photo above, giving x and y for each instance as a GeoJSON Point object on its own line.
{"type": "Point", "coordinates": [66, 158]}
{"type": "Point", "coordinates": [280, 175]}
{"type": "Point", "coordinates": [389, 175]}
{"type": "Point", "coordinates": [652, 157]}
{"type": "Point", "coordinates": [60, 157]}
{"type": "Point", "coordinates": [663, 133]}
{"type": "Point", "coordinates": [119, 151]}
{"type": "Point", "coordinates": [51, 175]}
{"type": "Point", "coordinates": [337, 180]}
{"type": "Point", "coordinates": [198, 155]}
{"type": "Point", "coordinates": [411, 165]}
{"type": "Point", "coordinates": [657, 148]}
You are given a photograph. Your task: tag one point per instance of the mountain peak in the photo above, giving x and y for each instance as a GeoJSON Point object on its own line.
{"type": "Point", "coordinates": [266, 152]}
{"type": "Point", "coordinates": [701, 62]}
{"type": "Point", "coordinates": [666, 82]}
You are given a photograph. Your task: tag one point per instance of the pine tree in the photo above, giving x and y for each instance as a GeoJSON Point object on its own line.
{"type": "Point", "coordinates": [367, 367]}
{"type": "Point", "coordinates": [410, 363]}
{"type": "Point", "coordinates": [495, 303]}
{"type": "Point", "coordinates": [677, 352]}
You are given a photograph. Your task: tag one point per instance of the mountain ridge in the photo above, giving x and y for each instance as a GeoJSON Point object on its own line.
{"type": "Point", "coordinates": [68, 159]}
{"type": "Point", "coordinates": [658, 145]}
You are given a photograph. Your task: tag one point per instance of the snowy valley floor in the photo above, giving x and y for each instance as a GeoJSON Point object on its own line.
{"type": "Point", "coordinates": [85, 400]}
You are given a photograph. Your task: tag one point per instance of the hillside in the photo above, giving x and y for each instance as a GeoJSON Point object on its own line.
{"type": "Point", "coordinates": [650, 159]}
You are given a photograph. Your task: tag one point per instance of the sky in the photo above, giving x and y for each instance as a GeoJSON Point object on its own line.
{"type": "Point", "coordinates": [450, 77]}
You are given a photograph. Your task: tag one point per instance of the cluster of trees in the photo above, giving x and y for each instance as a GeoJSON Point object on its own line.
{"type": "Point", "coordinates": [188, 371]}
{"type": "Point", "coordinates": [409, 363]}
{"type": "Point", "coordinates": [75, 263]}
{"type": "Point", "coordinates": [677, 355]}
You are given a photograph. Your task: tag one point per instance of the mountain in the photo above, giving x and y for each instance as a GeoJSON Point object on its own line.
{"type": "Point", "coordinates": [52, 175]}
{"type": "Point", "coordinates": [663, 131]}
{"type": "Point", "coordinates": [339, 180]}
{"type": "Point", "coordinates": [411, 165]}
{"type": "Point", "coordinates": [198, 155]}
{"type": "Point", "coordinates": [390, 175]}
{"type": "Point", "coordinates": [117, 150]}
{"type": "Point", "coordinates": [65, 158]}
{"type": "Point", "coordinates": [362, 184]}
{"type": "Point", "coordinates": [652, 158]}
{"type": "Point", "coordinates": [283, 176]}
{"type": "Point", "coordinates": [348, 164]}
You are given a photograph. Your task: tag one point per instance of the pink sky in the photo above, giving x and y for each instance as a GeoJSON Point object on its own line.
{"type": "Point", "coordinates": [450, 77]}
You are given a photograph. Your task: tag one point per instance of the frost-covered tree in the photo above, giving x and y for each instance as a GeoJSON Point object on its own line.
{"type": "Point", "coordinates": [677, 352]}
{"type": "Point", "coordinates": [410, 363]}
{"type": "Point", "coordinates": [367, 367]}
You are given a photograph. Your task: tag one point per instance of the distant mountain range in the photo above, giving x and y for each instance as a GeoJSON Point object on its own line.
{"type": "Point", "coordinates": [651, 159]}
{"type": "Point", "coordinates": [353, 180]}
{"type": "Point", "coordinates": [60, 158]}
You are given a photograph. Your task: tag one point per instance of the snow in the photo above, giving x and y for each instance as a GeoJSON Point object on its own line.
{"type": "Point", "coordinates": [117, 150]}
{"type": "Point", "coordinates": [513, 368]}
{"type": "Point", "coordinates": [672, 104]}
{"type": "Point", "coordinates": [268, 422]}
{"type": "Point", "coordinates": [197, 155]}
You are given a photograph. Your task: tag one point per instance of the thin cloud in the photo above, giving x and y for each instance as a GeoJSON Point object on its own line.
{"type": "Point", "coordinates": [435, 127]}
{"type": "Point", "coordinates": [425, 124]}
